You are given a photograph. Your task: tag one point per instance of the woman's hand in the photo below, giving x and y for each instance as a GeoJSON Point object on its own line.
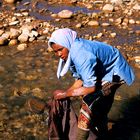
{"type": "Point", "coordinates": [59, 94]}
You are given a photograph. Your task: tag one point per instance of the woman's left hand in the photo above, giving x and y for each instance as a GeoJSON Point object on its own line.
{"type": "Point", "coordinates": [59, 94]}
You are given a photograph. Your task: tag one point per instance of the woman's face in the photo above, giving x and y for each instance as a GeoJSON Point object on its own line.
{"type": "Point", "coordinates": [60, 51]}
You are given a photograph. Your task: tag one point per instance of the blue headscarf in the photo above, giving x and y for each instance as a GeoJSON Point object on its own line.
{"type": "Point", "coordinates": [64, 37]}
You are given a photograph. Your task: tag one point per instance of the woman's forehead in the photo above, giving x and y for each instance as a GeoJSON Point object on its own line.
{"type": "Point", "coordinates": [56, 46]}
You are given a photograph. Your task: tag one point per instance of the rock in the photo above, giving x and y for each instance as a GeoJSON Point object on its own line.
{"type": "Point", "coordinates": [14, 23]}
{"type": "Point", "coordinates": [14, 33]}
{"type": "Point", "coordinates": [65, 14]}
{"type": "Point", "coordinates": [132, 21]}
{"type": "Point", "coordinates": [26, 29]}
{"type": "Point", "coordinates": [14, 19]}
{"type": "Point", "coordinates": [93, 23]}
{"type": "Point", "coordinates": [136, 7]}
{"type": "Point", "coordinates": [105, 24]}
{"type": "Point", "coordinates": [113, 35]}
{"type": "Point", "coordinates": [10, 1]}
{"type": "Point", "coordinates": [99, 35]}
{"type": "Point", "coordinates": [116, 2]}
{"type": "Point", "coordinates": [13, 42]}
{"type": "Point", "coordinates": [79, 25]}
{"type": "Point", "coordinates": [137, 59]}
{"type": "Point", "coordinates": [25, 14]}
{"type": "Point", "coordinates": [22, 47]}
{"type": "Point", "coordinates": [41, 37]}
{"type": "Point", "coordinates": [6, 35]}
{"type": "Point", "coordinates": [3, 41]}
{"type": "Point", "coordinates": [118, 21]}
{"type": "Point", "coordinates": [31, 39]}
{"type": "Point", "coordinates": [33, 33]}
{"type": "Point", "coordinates": [23, 38]}
{"type": "Point", "coordinates": [108, 8]}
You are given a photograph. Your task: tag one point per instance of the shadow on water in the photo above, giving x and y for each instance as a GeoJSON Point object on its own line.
{"type": "Point", "coordinates": [128, 127]}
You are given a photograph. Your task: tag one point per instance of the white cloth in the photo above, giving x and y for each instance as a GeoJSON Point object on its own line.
{"type": "Point", "coordinates": [64, 37]}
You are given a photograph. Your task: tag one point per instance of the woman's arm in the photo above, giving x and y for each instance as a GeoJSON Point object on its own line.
{"type": "Point", "coordinates": [75, 90]}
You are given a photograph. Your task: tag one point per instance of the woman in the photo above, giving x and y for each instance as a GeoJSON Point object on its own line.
{"type": "Point", "coordinates": [99, 69]}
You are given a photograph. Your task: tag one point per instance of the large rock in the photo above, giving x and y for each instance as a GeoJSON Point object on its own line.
{"type": "Point", "coordinates": [23, 38]}
{"type": "Point", "coordinates": [14, 33]}
{"type": "Point", "coordinates": [65, 14]}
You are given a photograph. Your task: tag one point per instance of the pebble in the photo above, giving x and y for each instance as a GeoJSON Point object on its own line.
{"type": "Point", "coordinates": [13, 42]}
{"type": "Point", "coordinates": [21, 47]}
{"type": "Point", "coordinates": [93, 23]}
{"type": "Point", "coordinates": [79, 25]}
{"type": "Point", "coordinates": [14, 23]}
{"type": "Point", "coordinates": [108, 8]}
{"type": "Point", "coordinates": [105, 24]}
{"type": "Point", "coordinates": [113, 35]}
{"type": "Point", "coordinates": [65, 14]}
{"type": "Point", "coordinates": [131, 21]}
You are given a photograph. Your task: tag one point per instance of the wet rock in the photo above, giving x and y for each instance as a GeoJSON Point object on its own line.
{"type": "Point", "coordinates": [93, 23]}
{"type": "Point", "coordinates": [3, 41]}
{"type": "Point", "coordinates": [13, 42]}
{"type": "Point", "coordinates": [22, 47]}
{"type": "Point", "coordinates": [65, 14]}
{"type": "Point", "coordinates": [23, 38]}
{"type": "Point", "coordinates": [108, 8]}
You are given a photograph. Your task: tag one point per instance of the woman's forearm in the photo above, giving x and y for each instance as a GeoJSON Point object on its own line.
{"type": "Point", "coordinates": [77, 84]}
{"type": "Point", "coordinates": [80, 91]}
